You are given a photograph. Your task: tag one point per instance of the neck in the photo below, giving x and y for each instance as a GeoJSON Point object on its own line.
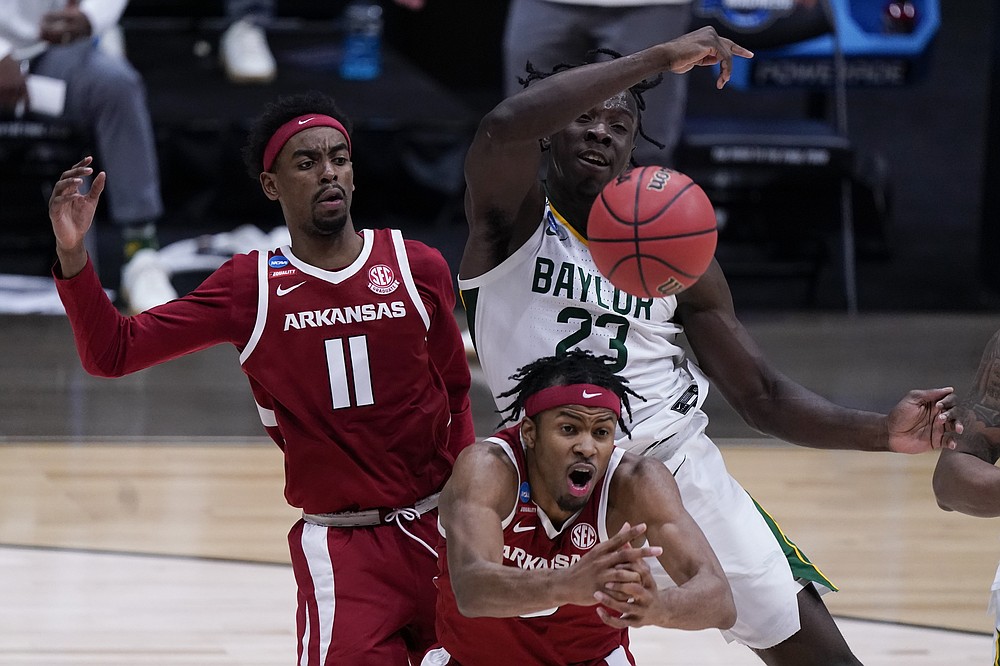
{"type": "Point", "coordinates": [329, 252]}
{"type": "Point", "coordinates": [574, 209]}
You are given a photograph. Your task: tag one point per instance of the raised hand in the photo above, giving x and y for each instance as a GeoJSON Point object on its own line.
{"type": "Point", "coordinates": [704, 47]}
{"type": "Point", "coordinates": [72, 214]}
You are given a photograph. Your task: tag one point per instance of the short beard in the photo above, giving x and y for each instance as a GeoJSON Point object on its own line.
{"type": "Point", "coordinates": [571, 504]}
{"type": "Point", "coordinates": [328, 227]}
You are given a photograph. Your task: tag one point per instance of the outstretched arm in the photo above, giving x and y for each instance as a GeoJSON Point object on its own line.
{"type": "Point", "coordinates": [479, 494]}
{"type": "Point", "coordinates": [503, 197]}
{"type": "Point", "coordinates": [644, 490]}
{"type": "Point", "coordinates": [772, 403]}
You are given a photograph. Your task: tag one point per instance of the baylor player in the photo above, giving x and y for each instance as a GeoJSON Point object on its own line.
{"type": "Point", "coordinates": [531, 290]}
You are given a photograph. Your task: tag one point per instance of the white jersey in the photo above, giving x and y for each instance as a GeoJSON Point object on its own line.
{"type": "Point", "coordinates": [548, 297]}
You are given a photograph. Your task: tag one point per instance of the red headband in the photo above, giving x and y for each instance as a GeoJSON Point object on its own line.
{"type": "Point", "coordinates": [587, 395]}
{"type": "Point", "coordinates": [293, 127]}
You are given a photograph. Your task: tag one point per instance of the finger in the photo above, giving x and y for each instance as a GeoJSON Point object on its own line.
{"type": "Point", "coordinates": [632, 558]}
{"type": "Point", "coordinates": [949, 401]}
{"type": "Point", "coordinates": [621, 607]}
{"type": "Point", "coordinates": [618, 622]}
{"type": "Point", "coordinates": [725, 71]}
{"type": "Point", "coordinates": [78, 169]}
{"type": "Point", "coordinates": [626, 534]}
{"type": "Point", "coordinates": [65, 187]}
{"type": "Point", "coordinates": [627, 592]}
{"type": "Point", "coordinates": [97, 186]}
{"type": "Point", "coordinates": [618, 595]}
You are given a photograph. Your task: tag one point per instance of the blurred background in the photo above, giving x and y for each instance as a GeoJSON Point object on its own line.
{"type": "Point", "coordinates": [911, 132]}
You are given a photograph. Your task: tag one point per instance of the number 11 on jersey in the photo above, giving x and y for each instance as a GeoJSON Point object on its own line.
{"type": "Point", "coordinates": [359, 374]}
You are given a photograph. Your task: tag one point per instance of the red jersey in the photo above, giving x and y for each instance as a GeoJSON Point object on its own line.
{"type": "Point", "coordinates": [559, 636]}
{"type": "Point", "coordinates": [359, 374]}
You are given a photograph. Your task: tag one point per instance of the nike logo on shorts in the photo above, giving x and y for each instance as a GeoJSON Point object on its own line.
{"type": "Point", "coordinates": [281, 291]}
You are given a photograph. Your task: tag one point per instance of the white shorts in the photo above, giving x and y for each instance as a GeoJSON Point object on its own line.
{"type": "Point", "coordinates": [759, 574]}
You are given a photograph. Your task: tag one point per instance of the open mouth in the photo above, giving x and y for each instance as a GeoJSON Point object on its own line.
{"type": "Point", "coordinates": [580, 479]}
{"type": "Point", "coordinates": [595, 158]}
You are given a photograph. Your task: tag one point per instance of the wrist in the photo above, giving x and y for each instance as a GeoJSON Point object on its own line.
{"type": "Point", "coordinates": [72, 261]}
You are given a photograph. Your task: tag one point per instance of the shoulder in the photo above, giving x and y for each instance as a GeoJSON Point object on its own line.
{"type": "Point", "coordinates": [484, 457]}
{"type": "Point", "coordinates": [483, 474]}
{"type": "Point", "coordinates": [633, 467]}
{"type": "Point", "coordinates": [418, 251]}
{"type": "Point", "coordinates": [641, 481]}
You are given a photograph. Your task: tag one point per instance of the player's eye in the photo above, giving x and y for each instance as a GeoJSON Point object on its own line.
{"type": "Point", "coordinates": [306, 164]}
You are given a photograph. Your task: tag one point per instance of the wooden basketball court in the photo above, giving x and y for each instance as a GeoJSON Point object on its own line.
{"type": "Point", "coordinates": [170, 549]}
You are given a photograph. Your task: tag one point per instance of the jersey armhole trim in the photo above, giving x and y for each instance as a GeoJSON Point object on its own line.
{"type": "Point", "coordinates": [258, 326]}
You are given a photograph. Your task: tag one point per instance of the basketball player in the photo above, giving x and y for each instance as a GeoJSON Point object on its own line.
{"type": "Point", "coordinates": [966, 479]}
{"type": "Point", "coordinates": [350, 345]}
{"type": "Point", "coordinates": [526, 269]}
{"type": "Point", "coordinates": [547, 528]}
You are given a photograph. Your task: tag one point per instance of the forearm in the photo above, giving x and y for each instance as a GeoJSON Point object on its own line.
{"type": "Point", "coordinates": [795, 414]}
{"type": "Point", "coordinates": [491, 589]}
{"type": "Point", "coordinates": [111, 345]}
{"type": "Point", "coordinates": [548, 105]}
{"type": "Point", "coordinates": [966, 484]}
{"type": "Point", "coordinates": [703, 602]}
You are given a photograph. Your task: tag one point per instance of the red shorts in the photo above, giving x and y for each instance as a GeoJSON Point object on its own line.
{"type": "Point", "coordinates": [366, 595]}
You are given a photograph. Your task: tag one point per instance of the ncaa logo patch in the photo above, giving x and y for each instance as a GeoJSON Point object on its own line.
{"type": "Point", "coordinates": [382, 280]}
{"type": "Point", "coordinates": [524, 492]}
{"type": "Point", "coordinates": [277, 261]}
{"type": "Point", "coordinates": [584, 536]}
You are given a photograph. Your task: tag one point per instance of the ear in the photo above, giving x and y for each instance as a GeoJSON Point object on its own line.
{"type": "Point", "coordinates": [268, 184]}
{"type": "Point", "coordinates": [528, 430]}
{"type": "Point", "coordinates": [545, 143]}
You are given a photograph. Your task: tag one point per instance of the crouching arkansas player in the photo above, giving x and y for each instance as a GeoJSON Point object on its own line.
{"type": "Point", "coordinates": [553, 537]}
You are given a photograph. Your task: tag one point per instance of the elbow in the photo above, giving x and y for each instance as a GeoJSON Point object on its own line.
{"type": "Point", "coordinates": [500, 124]}
{"type": "Point", "coordinates": [726, 614]}
{"type": "Point", "coordinates": [941, 494]}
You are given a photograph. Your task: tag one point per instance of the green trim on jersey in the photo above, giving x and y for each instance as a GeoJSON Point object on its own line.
{"type": "Point", "coordinates": [802, 568]}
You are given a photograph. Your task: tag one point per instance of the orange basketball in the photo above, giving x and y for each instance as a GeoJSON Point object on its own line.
{"type": "Point", "coordinates": [652, 231]}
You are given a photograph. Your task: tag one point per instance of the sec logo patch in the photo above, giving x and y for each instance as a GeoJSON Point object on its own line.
{"type": "Point", "coordinates": [584, 536]}
{"type": "Point", "coordinates": [382, 280]}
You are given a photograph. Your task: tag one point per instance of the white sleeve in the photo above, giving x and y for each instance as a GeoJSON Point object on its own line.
{"type": "Point", "coordinates": [102, 14]}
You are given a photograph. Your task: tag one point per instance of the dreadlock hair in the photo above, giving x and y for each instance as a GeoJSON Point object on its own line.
{"type": "Point", "coordinates": [636, 91]}
{"type": "Point", "coordinates": [573, 367]}
{"type": "Point", "coordinates": [279, 112]}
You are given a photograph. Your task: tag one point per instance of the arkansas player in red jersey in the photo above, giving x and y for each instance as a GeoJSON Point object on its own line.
{"type": "Point", "coordinates": [355, 360]}
{"type": "Point", "coordinates": [556, 541]}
